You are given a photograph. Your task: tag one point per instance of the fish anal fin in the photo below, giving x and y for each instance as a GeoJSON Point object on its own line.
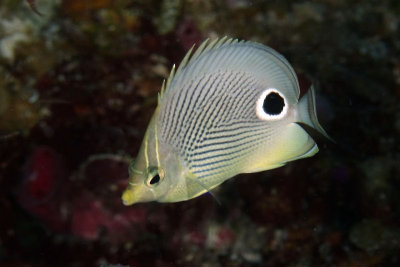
{"type": "Point", "coordinates": [293, 143]}
{"type": "Point", "coordinates": [262, 167]}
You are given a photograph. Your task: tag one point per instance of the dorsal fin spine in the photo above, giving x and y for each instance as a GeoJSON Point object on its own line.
{"type": "Point", "coordinates": [190, 57]}
{"type": "Point", "coordinates": [163, 88]}
{"type": "Point", "coordinates": [209, 46]}
{"type": "Point", "coordinates": [185, 60]}
{"type": "Point", "coordinates": [199, 49]}
{"type": "Point", "coordinates": [223, 41]}
{"type": "Point", "coordinates": [171, 76]}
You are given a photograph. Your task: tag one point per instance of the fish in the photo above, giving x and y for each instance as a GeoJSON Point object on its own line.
{"type": "Point", "coordinates": [231, 107]}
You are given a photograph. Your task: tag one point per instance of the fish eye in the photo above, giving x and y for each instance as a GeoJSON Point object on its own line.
{"type": "Point", "coordinates": [271, 105]}
{"type": "Point", "coordinates": [154, 175]}
{"type": "Point", "coordinates": [156, 178]}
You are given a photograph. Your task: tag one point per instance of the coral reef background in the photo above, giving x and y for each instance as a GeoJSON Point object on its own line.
{"type": "Point", "coordinates": [79, 83]}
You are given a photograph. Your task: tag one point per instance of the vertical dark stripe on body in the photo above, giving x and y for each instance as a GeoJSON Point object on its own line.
{"type": "Point", "coordinates": [207, 116]}
{"type": "Point", "coordinates": [178, 114]}
{"type": "Point", "coordinates": [185, 140]}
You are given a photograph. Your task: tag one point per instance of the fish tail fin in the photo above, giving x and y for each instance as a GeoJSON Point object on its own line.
{"type": "Point", "coordinates": [307, 113]}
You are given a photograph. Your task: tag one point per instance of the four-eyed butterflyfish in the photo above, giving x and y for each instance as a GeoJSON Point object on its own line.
{"type": "Point", "coordinates": [230, 107]}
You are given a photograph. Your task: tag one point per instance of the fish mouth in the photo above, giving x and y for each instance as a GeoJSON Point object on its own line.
{"type": "Point", "coordinates": [133, 194]}
{"type": "Point", "coordinates": [128, 197]}
{"type": "Point", "coordinates": [136, 193]}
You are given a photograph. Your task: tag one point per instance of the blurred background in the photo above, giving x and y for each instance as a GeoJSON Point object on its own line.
{"type": "Point", "coordinates": [79, 83]}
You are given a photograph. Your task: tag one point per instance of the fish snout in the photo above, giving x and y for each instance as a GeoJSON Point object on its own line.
{"type": "Point", "coordinates": [129, 196]}
{"type": "Point", "coordinates": [137, 193]}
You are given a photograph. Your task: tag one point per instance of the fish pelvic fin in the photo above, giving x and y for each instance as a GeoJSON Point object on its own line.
{"type": "Point", "coordinates": [194, 180]}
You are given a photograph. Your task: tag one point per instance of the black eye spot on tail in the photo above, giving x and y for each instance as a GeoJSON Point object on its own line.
{"type": "Point", "coordinates": [273, 104]}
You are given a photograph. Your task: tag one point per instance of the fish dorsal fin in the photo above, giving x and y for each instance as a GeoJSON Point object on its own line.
{"type": "Point", "coordinates": [203, 48]}
{"type": "Point", "coordinates": [166, 85]}
{"type": "Point", "coordinates": [162, 91]}
{"type": "Point", "coordinates": [227, 54]}
{"type": "Point", "coordinates": [185, 59]}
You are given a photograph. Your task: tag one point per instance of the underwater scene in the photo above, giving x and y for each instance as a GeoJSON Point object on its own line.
{"type": "Point", "coordinates": [199, 133]}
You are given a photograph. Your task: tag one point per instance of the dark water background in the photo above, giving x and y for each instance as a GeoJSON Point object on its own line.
{"type": "Point", "coordinates": [79, 84]}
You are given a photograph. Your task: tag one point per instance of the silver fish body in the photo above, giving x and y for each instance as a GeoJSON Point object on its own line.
{"type": "Point", "coordinates": [232, 107]}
